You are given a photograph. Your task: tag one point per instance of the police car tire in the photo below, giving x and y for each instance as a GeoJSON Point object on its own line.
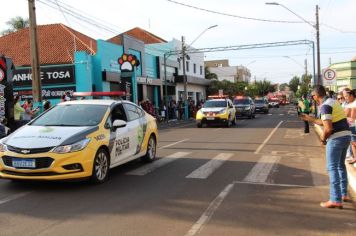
{"type": "Point", "coordinates": [199, 125]}
{"type": "Point", "coordinates": [101, 161]}
{"type": "Point", "coordinates": [234, 121]}
{"type": "Point", "coordinates": [151, 150]}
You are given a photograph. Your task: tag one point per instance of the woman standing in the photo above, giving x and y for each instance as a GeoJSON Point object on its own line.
{"type": "Point", "coordinates": [350, 110]}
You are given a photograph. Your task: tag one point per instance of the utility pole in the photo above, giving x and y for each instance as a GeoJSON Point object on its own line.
{"type": "Point", "coordinates": [318, 45]}
{"type": "Point", "coordinates": [185, 94]}
{"type": "Point", "coordinates": [306, 67]}
{"type": "Point", "coordinates": [36, 78]}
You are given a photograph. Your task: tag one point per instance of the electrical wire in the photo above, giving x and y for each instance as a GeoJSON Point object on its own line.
{"type": "Point", "coordinates": [235, 16]}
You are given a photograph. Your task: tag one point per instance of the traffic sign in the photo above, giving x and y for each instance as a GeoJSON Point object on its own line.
{"type": "Point", "coordinates": [329, 77]}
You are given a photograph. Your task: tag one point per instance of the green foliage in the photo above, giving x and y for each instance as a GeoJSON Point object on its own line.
{"type": "Point", "coordinates": [293, 84]}
{"type": "Point", "coordinates": [260, 88]}
{"type": "Point", "coordinates": [303, 83]}
{"type": "Point", "coordinates": [283, 86]}
{"type": "Point", "coordinates": [229, 88]}
{"type": "Point", "coordinates": [16, 24]}
{"type": "Point", "coordinates": [209, 75]}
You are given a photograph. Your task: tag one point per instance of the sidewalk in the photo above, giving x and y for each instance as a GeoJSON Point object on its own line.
{"type": "Point", "coordinates": [174, 123]}
{"type": "Point", "coordinates": [351, 171]}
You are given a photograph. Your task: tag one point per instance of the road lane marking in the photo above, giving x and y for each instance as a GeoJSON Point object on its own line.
{"type": "Point", "coordinates": [268, 138]}
{"type": "Point", "coordinates": [13, 197]}
{"type": "Point", "coordinates": [208, 168]}
{"type": "Point", "coordinates": [281, 114]}
{"type": "Point", "coordinates": [217, 129]}
{"type": "Point", "coordinates": [261, 170]}
{"type": "Point", "coordinates": [272, 184]}
{"type": "Point", "coordinates": [208, 213]}
{"type": "Point", "coordinates": [157, 164]}
{"type": "Point", "coordinates": [172, 144]}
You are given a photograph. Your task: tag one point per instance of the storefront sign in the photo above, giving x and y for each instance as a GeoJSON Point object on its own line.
{"type": "Point", "coordinates": [127, 62]}
{"type": "Point", "coordinates": [2, 101]}
{"type": "Point", "coordinates": [49, 76]}
{"type": "Point", "coordinates": [47, 93]}
{"type": "Point", "coordinates": [148, 81]}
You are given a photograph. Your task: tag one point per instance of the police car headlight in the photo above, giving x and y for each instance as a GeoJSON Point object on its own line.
{"type": "Point", "coordinates": [222, 111]}
{"type": "Point", "coordinates": [3, 147]}
{"type": "Point", "coordinates": [73, 147]}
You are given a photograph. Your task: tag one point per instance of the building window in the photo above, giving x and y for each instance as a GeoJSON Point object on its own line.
{"type": "Point", "coordinates": [201, 70]}
{"type": "Point", "coordinates": [194, 68]}
{"type": "Point", "coordinates": [187, 65]}
{"type": "Point", "coordinates": [179, 65]}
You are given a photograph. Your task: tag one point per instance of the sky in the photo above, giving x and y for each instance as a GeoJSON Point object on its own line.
{"type": "Point", "coordinates": [169, 20]}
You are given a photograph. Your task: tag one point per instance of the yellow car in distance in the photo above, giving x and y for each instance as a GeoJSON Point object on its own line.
{"type": "Point", "coordinates": [216, 110]}
{"type": "Point", "coordinates": [79, 139]}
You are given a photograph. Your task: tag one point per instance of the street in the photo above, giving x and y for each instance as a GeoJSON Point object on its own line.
{"type": "Point", "coordinates": [260, 177]}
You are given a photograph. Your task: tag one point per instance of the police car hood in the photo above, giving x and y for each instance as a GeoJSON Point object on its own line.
{"type": "Point", "coordinates": [47, 136]}
{"type": "Point", "coordinates": [213, 109]}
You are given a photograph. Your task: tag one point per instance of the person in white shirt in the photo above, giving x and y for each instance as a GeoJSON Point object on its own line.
{"type": "Point", "coordinates": [350, 110]}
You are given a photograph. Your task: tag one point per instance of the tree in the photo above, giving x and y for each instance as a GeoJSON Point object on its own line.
{"type": "Point", "coordinates": [294, 83]}
{"type": "Point", "coordinates": [209, 75]}
{"type": "Point", "coordinates": [264, 87]}
{"type": "Point", "coordinates": [283, 86]}
{"type": "Point", "coordinates": [16, 24]}
{"type": "Point", "coordinates": [229, 88]}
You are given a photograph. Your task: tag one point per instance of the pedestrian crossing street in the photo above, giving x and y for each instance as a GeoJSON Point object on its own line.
{"type": "Point", "coordinates": [260, 171]}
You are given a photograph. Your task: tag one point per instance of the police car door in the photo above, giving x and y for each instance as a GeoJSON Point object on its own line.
{"type": "Point", "coordinates": [134, 128]}
{"type": "Point", "coordinates": [119, 137]}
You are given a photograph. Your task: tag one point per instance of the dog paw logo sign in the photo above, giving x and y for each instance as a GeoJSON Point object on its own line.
{"type": "Point", "coordinates": [127, 62]}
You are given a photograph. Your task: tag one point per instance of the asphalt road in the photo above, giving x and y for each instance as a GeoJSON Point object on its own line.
{"type": "Point", "coordinates": [261, 177]}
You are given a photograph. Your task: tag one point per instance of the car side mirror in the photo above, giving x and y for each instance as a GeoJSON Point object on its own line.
{"type": "Point", "coordinates": [119, 124]}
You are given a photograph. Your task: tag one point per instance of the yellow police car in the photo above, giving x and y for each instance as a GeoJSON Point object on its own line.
{"type": "Point", "coordinates": [79, 139]}
{"type": "Point", "coordinates": [216, 110]}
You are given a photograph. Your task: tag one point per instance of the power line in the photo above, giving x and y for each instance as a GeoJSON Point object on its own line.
{"type": "Point", "coordinates": [235, 16]}
{"type": "Point", "coordinates": [79, 16]}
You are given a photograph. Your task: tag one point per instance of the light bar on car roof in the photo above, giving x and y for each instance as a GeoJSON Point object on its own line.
{"type": "Point", "coordinates": [218, 96]}
{"type": "Point", "coordinates": [100, 94]}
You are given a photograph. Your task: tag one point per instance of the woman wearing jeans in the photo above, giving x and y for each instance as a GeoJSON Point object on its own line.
{"type": "Point", "coordinates": [336, 135]}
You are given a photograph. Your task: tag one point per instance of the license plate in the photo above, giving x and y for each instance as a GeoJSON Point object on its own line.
{"type": "Point", "coordinates": [210, 118]}
{"type": "Point", "coordinates": [23, 163]}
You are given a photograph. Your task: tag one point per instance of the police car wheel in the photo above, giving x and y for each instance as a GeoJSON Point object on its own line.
{"type": "Point", "coordinates": [151, 150]}
{"type": "Point", "coordinates": [100, 167]}
{"type": "Point", "coordinates": [234, 121]}
{"type": "Point", "coordinates": [199, 125]}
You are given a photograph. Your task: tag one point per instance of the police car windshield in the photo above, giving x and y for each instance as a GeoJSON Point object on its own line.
{"type": "Point", "coordinates": [72, 115]}
{"type": "Point", "coordinates": [241, 102]}
{"type": "Point", "coordinates": [214, 103]}
{"type": "Point", "coordinates": [259, 101]}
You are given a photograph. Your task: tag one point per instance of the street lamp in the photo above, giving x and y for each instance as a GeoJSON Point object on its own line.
{"type": "Point", "coordinates": [184, 48]}
{"type": "Point", "coordinates": [294, 61]}
{"type": "Point", "coordinates": [250, 63]}
{"type": "Point", "coordinates": [316, 27]}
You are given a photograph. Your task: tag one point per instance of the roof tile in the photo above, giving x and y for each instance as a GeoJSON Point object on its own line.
{"type": "Point", "coordinates": [57, 44]}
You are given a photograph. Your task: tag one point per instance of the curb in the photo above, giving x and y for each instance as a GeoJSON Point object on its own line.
{"type": "Point", "coordinates": [351, 171]}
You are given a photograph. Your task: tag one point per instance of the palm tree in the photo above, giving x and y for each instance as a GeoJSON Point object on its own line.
{"type": "Point", "coordinates": [16, 24]}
